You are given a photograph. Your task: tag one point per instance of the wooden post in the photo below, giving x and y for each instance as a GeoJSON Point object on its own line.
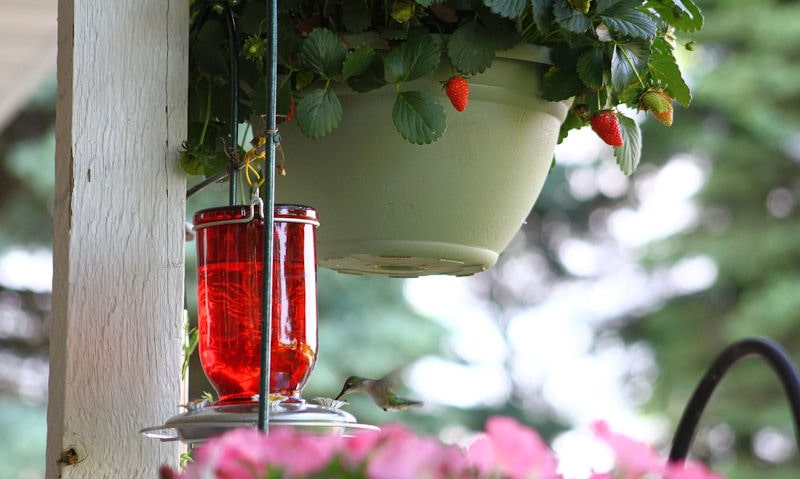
{"type": "Point", "coordinates": [119, 209]}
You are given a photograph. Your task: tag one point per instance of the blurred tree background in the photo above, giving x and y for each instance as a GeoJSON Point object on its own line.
{"type": "Point", "coordinates": [666, 276]}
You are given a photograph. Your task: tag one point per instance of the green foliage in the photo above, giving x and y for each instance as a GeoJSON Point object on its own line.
{"type": "Point", "coordinates": [625, 20]}
{"type": "Point", "coordinates": [189, 346]}
{"type": "Point", "coordinates": [322, 54]}
{"type": "Point", "coordinates": [417, 57]}
{"type": "Point", "coordinates": [23, 430]}
{"type": "Point", "coordinates": [27, 149]}
{"type": "Point", "coordinates": [418, 116]}
{"type": "Point", "coordinates": [743, 120]}
{"type": "Point", "coordinates": [663, 70]}
{"type": "Point", "coordinates": [631, 150]}
{"type": "Point", "coordinates": [319, 112]}
{"type": "Point", "coordinates": [622, 46]}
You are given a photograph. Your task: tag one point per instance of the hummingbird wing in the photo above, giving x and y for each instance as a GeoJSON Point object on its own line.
{"type": "Point", "coordinates": [395, 378]}
{"type": "Point", "coordinates": [398, 404]}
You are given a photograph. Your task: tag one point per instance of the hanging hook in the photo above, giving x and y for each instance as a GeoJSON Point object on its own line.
{"type": "Point", "coordinates": [256, 201]}
{"type": "Point", "coordinates": [777, 358]}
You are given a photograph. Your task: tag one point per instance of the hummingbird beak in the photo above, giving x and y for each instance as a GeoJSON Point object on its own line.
{"type": "Point", "coordinates": [344, 391]}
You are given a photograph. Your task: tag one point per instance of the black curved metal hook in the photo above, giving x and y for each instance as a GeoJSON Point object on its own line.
{"type": "Point", "coordinates": [776, 357]}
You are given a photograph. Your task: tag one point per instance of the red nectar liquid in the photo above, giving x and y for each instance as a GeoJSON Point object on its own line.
{"type": "Point", "coordinates": [229, 300]}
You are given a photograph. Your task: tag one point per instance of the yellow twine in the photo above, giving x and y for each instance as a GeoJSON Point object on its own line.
{"type": "Point", "coordinates": [256, 153]}
{"type": "Point", "coordinates": [259, 153]}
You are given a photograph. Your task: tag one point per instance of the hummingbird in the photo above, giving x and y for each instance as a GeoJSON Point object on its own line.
{"type": "Point", "coordinates": [379, 391]}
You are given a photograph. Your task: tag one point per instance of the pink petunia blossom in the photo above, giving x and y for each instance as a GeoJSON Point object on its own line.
{"type": "Point", "coordinates": [507, 450]}
{"type": "Point", "coordinates": [238, 454]}
{"type": "Point", "coordinates": [403, 455]}
{"type": "Point", "coordinates": [405, 460]}
{"type": "Point", "coordinates": [300, 453]}
{"type": "Point", "coordinates": [166, 472]}
{"type": "Point", "coordinates": [356, 448]}
{"type": "Point", "coordinates": [514, 450]}
{"type": "Point", "coordinates": [689, 470]}
{"type": "Point", "coordinates": [634, 457]}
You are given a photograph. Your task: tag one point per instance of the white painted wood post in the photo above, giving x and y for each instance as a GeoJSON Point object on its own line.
{"type": "Point", "coordinates": [115, 352]}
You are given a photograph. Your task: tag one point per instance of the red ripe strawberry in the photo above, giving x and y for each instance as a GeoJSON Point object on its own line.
{"type": "Point", "coordinates": [606, 124]}
{"type": "Point", "coordinates": [457, 90]}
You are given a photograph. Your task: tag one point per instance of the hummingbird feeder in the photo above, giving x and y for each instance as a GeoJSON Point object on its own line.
{"type": "Point", "coordinates": [257, 299]}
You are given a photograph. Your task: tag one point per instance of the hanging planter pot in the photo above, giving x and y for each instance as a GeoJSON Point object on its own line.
{"type": "Point", "coordinates": [452, 204]}
{"type": "Point", "coordinates": [398, 209]}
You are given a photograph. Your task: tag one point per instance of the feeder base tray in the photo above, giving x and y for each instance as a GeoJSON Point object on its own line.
{"type": "Point", "coordinates": [201, 423]}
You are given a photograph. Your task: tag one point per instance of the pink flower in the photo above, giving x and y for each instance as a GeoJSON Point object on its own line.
{"type": "Point", "coordinates": [632, 456]}
{"type": "Point", "coordinates": [598, 475]}
{"type": "Point", "coordinates": [403, 455]}
{"type": "Point", "coordinates": [300, 453]}
{"type": "Point", "coordinates": [166, 472]}
{"type": "Point", "coordinates": [689, 470]}
{"type": "Point", "coordinates": [356, 448]}
{"type": "Point", "coordinates": [246, 453]}
{"type": "Point", "coordinates": [240, 453]}
{"type": "Point", "coordinates": [508, 450]}
{"type": "Point", "coordinates": [512, 449]}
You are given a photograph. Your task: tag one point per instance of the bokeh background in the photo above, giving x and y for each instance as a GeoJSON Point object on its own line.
{"type": "Point", "coordinates": [609, 304]}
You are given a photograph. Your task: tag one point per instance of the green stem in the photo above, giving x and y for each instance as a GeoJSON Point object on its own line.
{"type": "Point", "coordinates": [207, 119]}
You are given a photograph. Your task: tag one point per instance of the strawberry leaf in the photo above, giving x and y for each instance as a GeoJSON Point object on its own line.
{"type": "Point", "coordinates": [591, 67]}
{"type": "Point", "coordinates": [507, 8]}
{"type": "Point", "coordinates": [213, 60]}
{"type": "Point", "coordinates": [323, 53]}
{"type": "Point", "coordinates": [571, 122]}
{"type": "Point", "coordinates": [417, 57]}
{"type": "Point", "coordinates": [371, 78]}
{"type": "Point", "coordinates": [683, 14]}
{"type": "Point", "coordinates": [543, 14]}
{"type": "Point", "coordinates": [664, 70]}
{"type": "Point", "coordinates": [358, 61]}
{"type": "Point", "coordinates": [559, 84]}
{"type": "Point", "coordinates": [355, 15]}
{"type": "Point", "coordinates": [319, 113]}
{"type": "Point", "coordinates": [629, 154]}
{"type": "Point", "coordinates": [419, 117]}
{"type": "Point", "coordinates": [624, 19]}
{"type": "Point", "coordinates": [249, 21]}
{"type": "Point", "coordinates": [572, 20]}
{"type": "Point", "coordinates": [627, 61]}
{"type": "Point", "coordinates": [471, 47]}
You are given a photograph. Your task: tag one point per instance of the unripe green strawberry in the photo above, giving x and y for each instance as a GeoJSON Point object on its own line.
{"type": "Point", "coordinates": [658, 103]}
{"type": "Point", "coordinates": [457, 90]}
{"type": "Point", "coordinates": [606, 124]}
{"type": "Point", "coordinates": [582, 5]}
{"type": "Point", "coordinates": [402, 10]}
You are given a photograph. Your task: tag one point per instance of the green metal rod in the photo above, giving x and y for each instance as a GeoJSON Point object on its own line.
{"type": "Point", "coordinates": [268, 197]}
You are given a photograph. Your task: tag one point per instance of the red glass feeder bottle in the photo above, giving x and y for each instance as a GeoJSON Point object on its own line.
{"type": "Point", "coordinates": [229, 281]}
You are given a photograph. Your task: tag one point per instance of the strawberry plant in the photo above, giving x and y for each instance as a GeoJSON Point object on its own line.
{"type": "Point", "coordinates": [604, 53]}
